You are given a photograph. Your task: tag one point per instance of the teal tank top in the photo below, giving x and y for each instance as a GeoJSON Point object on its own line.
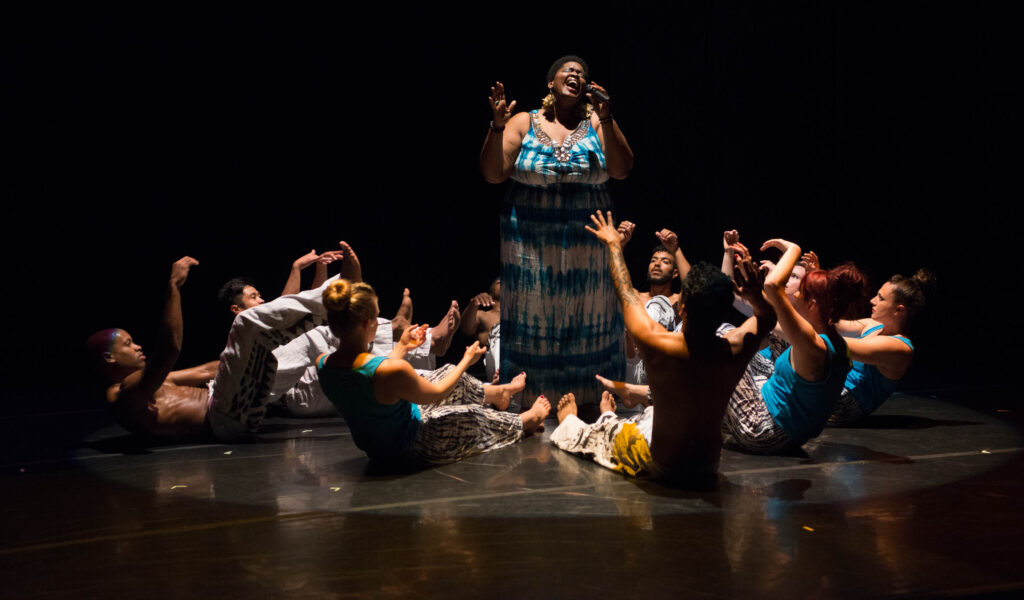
{"type": "Point", "coordinates": [802, 407]}
{"type": "Point", "coordinates": [383, 432]}
{"type": "Point", "coordinates": [866, 383]}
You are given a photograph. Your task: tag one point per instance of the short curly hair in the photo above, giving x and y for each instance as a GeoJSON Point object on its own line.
{"type": "Point", "coordinates": [706, 294]}
{"type": "Point", "coordinates": [555, 66]}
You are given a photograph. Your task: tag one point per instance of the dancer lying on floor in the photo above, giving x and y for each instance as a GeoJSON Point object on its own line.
{"type": "Point", "coordinates": [795, 401]}
{"type": "Point", "coordinates": [398, 416]}
{"type": "Point", "coordinates": [691, 374]}
{"type": "Point", "coordinates": [148, 398]}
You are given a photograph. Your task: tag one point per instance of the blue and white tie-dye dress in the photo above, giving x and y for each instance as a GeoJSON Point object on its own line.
{"type": "Point", "coordinates": [560, 320]}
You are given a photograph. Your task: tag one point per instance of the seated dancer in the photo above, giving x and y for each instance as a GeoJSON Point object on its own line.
{"type": "Point", "coordinates": [793, 404]}
{"type": "Point", "coordinates": [306, 399]}
{"type": "Point", "coordinates": [482, 320]}
{"type": "Point", "coordinates": [691, 373]}
{"type": "Point", "coordinates": [667, 263]}
{"type": "Point", "coordinates": [881, 352]}
{"type": "Point", "coordinates": [398, 416]}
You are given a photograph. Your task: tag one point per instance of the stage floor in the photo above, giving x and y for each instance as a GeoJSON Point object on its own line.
{"type": "Point", "coordinates": [925, 499]}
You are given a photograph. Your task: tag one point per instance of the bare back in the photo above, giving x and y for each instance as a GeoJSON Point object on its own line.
{"type": "Point", "coordinates": [691, 397]}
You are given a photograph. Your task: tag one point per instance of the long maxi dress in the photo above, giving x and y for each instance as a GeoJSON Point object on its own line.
{"type": "Point", "coordinates": [560, 320]}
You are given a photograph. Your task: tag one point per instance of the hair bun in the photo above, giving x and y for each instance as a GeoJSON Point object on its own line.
{"type": "Point", "coordinates": [337, 294]}
{"type": "Point", "coordinates": [925, 280]}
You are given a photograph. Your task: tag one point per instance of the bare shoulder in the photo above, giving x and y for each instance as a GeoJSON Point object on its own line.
{"type": "Point", "coordinates": [519, 123]}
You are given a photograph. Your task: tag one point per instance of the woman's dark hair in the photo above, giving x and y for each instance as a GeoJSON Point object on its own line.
{"type": "Point", "coordinates": [840, 293]}
{"type": "Point", "coordinates": [706, 295]}
{"type": "Point", "coordinates": [910, 291]}
{"type": "Point", "coordinates": [555, 66]}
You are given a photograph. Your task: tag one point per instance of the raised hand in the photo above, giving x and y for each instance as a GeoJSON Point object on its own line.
{"type": "Point", "coordinates": [668, 239]}
{"type": "Point", "coordinates": [604, 228]}
{"type": "Point", "coordinates": [483, 300]}
{"type": "Point", "coordinates": [603, 108]}
{"type": "Point", "coordinates": [729, 238]}
{"type": "Point", "coordinates": [305, 260]}
{"type": "Point", "coordinates": [778, 243]}
{"type": "Point", "coordinates": [473, 353]}
{"type": "Point", "coordinates": [499, 105]}
{"type": "Point", "coordinates": [748, 279]}
{"type": "Point", "coordinates": [741, 252]}
{"type": "Point", "coordinates": [810, 260]}
{"type": "Point", "coordinates": [179, 270]}
{"type": "Point", "coordinates": [414, 336]}
{"type": "Point", "coordinates": [625, 230]}
{"type": "Point", "coordinates": [330, 256]}
{"type": "Point", "coordinates": [350, 267]}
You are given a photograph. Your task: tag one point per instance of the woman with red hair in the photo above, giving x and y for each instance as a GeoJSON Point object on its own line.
{"type": "Point", "coordinates": [794, 403]}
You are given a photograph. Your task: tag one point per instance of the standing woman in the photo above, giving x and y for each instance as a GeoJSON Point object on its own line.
{"type": "Point", "coordinates": [881, 352]}
{"type": "Point", "coordinates": [560, 320]}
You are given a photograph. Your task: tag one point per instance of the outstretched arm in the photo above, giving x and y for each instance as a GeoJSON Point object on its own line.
{"type": "Point", "coordinates": [195, 376]}
{"type": "Point", "coordinates": [294, 283]}
{"type": "Point", "coordinates": [397, 380]}
{"type": "Point", "coordinates": [641, 326]}
{"type": "Point", "coordinates": [470, 321]}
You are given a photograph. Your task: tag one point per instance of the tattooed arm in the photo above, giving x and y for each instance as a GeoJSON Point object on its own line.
{"type": "Point", "coordinates": [645, 330]}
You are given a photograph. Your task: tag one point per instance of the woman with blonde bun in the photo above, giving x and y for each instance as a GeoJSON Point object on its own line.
{"type": "Point", "coordinates": [395, 414]}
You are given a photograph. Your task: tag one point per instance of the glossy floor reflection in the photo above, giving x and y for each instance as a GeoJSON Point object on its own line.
{"type": "Point", "coordinates": [926, 498]}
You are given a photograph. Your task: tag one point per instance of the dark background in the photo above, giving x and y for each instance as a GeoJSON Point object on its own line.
{"type": "Point", "coordinates": [882, 133]}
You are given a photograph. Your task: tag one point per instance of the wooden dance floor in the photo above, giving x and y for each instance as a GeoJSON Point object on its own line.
{"type": "Point", "coordinates": [925, 499]}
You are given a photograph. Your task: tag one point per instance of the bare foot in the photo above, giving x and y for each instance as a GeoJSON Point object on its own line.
{"type": "Point", "coordinates": [350, 267]}
{"type": "Point", "coordinates": [518, 383]}
{"type": "Point", "coordinates": [533, 419]}
{"type": "Point", "coordinates": [402, 318]}
{"type": "Point", "coordinates": [607, 402]}
{"type": "Point", "coordinates": [566, 406]}
{"type": "Point", "coordinates": [445, 330]}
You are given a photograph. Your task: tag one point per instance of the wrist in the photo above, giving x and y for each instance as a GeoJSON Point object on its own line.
{"type": "Point", "coordinates": [497, 128]}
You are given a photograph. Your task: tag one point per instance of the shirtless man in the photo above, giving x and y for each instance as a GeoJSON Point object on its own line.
{"type": "Point", "coordinates": [692, 374]}
{"type": "Point", "coordinates": [145, 395]}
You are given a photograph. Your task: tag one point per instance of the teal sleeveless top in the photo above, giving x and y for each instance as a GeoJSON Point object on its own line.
{"type": "Point", "coordinates": [383, 432]}
{"type": "Point", "coordinates": [866, 383]}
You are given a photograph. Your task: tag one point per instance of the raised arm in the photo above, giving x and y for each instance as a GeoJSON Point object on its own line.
{"type": "Point", "coordinates": [670, 240]}
{"type": "Point", "coordinates": [808, 349]}
{"type": "Point", "coordinates": [749, 281]}
{"type": "Point", "coordinates": [397, 380]}
{"type": "Point", "coordinates": [730, 237]}
{"type": "Point", "coordinates": [168, 343]}
{"type": "Point", "coordinates": [617, 154]}
{"type": "Point", "coordinates": [640, 325]}
{"type": "Point", "coordinates": [294, 283]}
{"type": "Point", "coordinates": [195, 376]}
{"type": "Point", "coordinates": [320, 270]}
{"type": "Point", "coordinates": [504, 137]}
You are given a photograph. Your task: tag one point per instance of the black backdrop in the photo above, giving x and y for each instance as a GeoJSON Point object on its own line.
{"type": "Point", "coordinates": [874, 132]}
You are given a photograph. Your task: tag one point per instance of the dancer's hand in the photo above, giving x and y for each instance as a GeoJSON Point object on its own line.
{"type": "Point", "coordinates": [749, 280]}
{"type": "Point", "coordinates": [413, 336]}
{"type": "Point", "coordinates": [330, 256]}
{"type": "Point", "coordinates": [778, 243]}
{"type": "Point", "coordinates": [473, 353]}
{"type": "Point", "coordinates": [740, 252]}
{"type": "Point", "coordinates": [305, 260]}
{"type": "Point", "coordinates": [729, 238]}
{"type": "Point", "coordinates": [483, 300]}
{"type": "Point", "coordinates": [668, 239]}
{"type": "Point", "coordinates": [499, 105]}
{"type": "Point", "coordinates": [604, 229]}
{"type": "Point", "coordinates": [625, 230]}
{"type": "Point", "coordinates": [810, 260]}
{"type": "Point", "coordinates": [179, 270]}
